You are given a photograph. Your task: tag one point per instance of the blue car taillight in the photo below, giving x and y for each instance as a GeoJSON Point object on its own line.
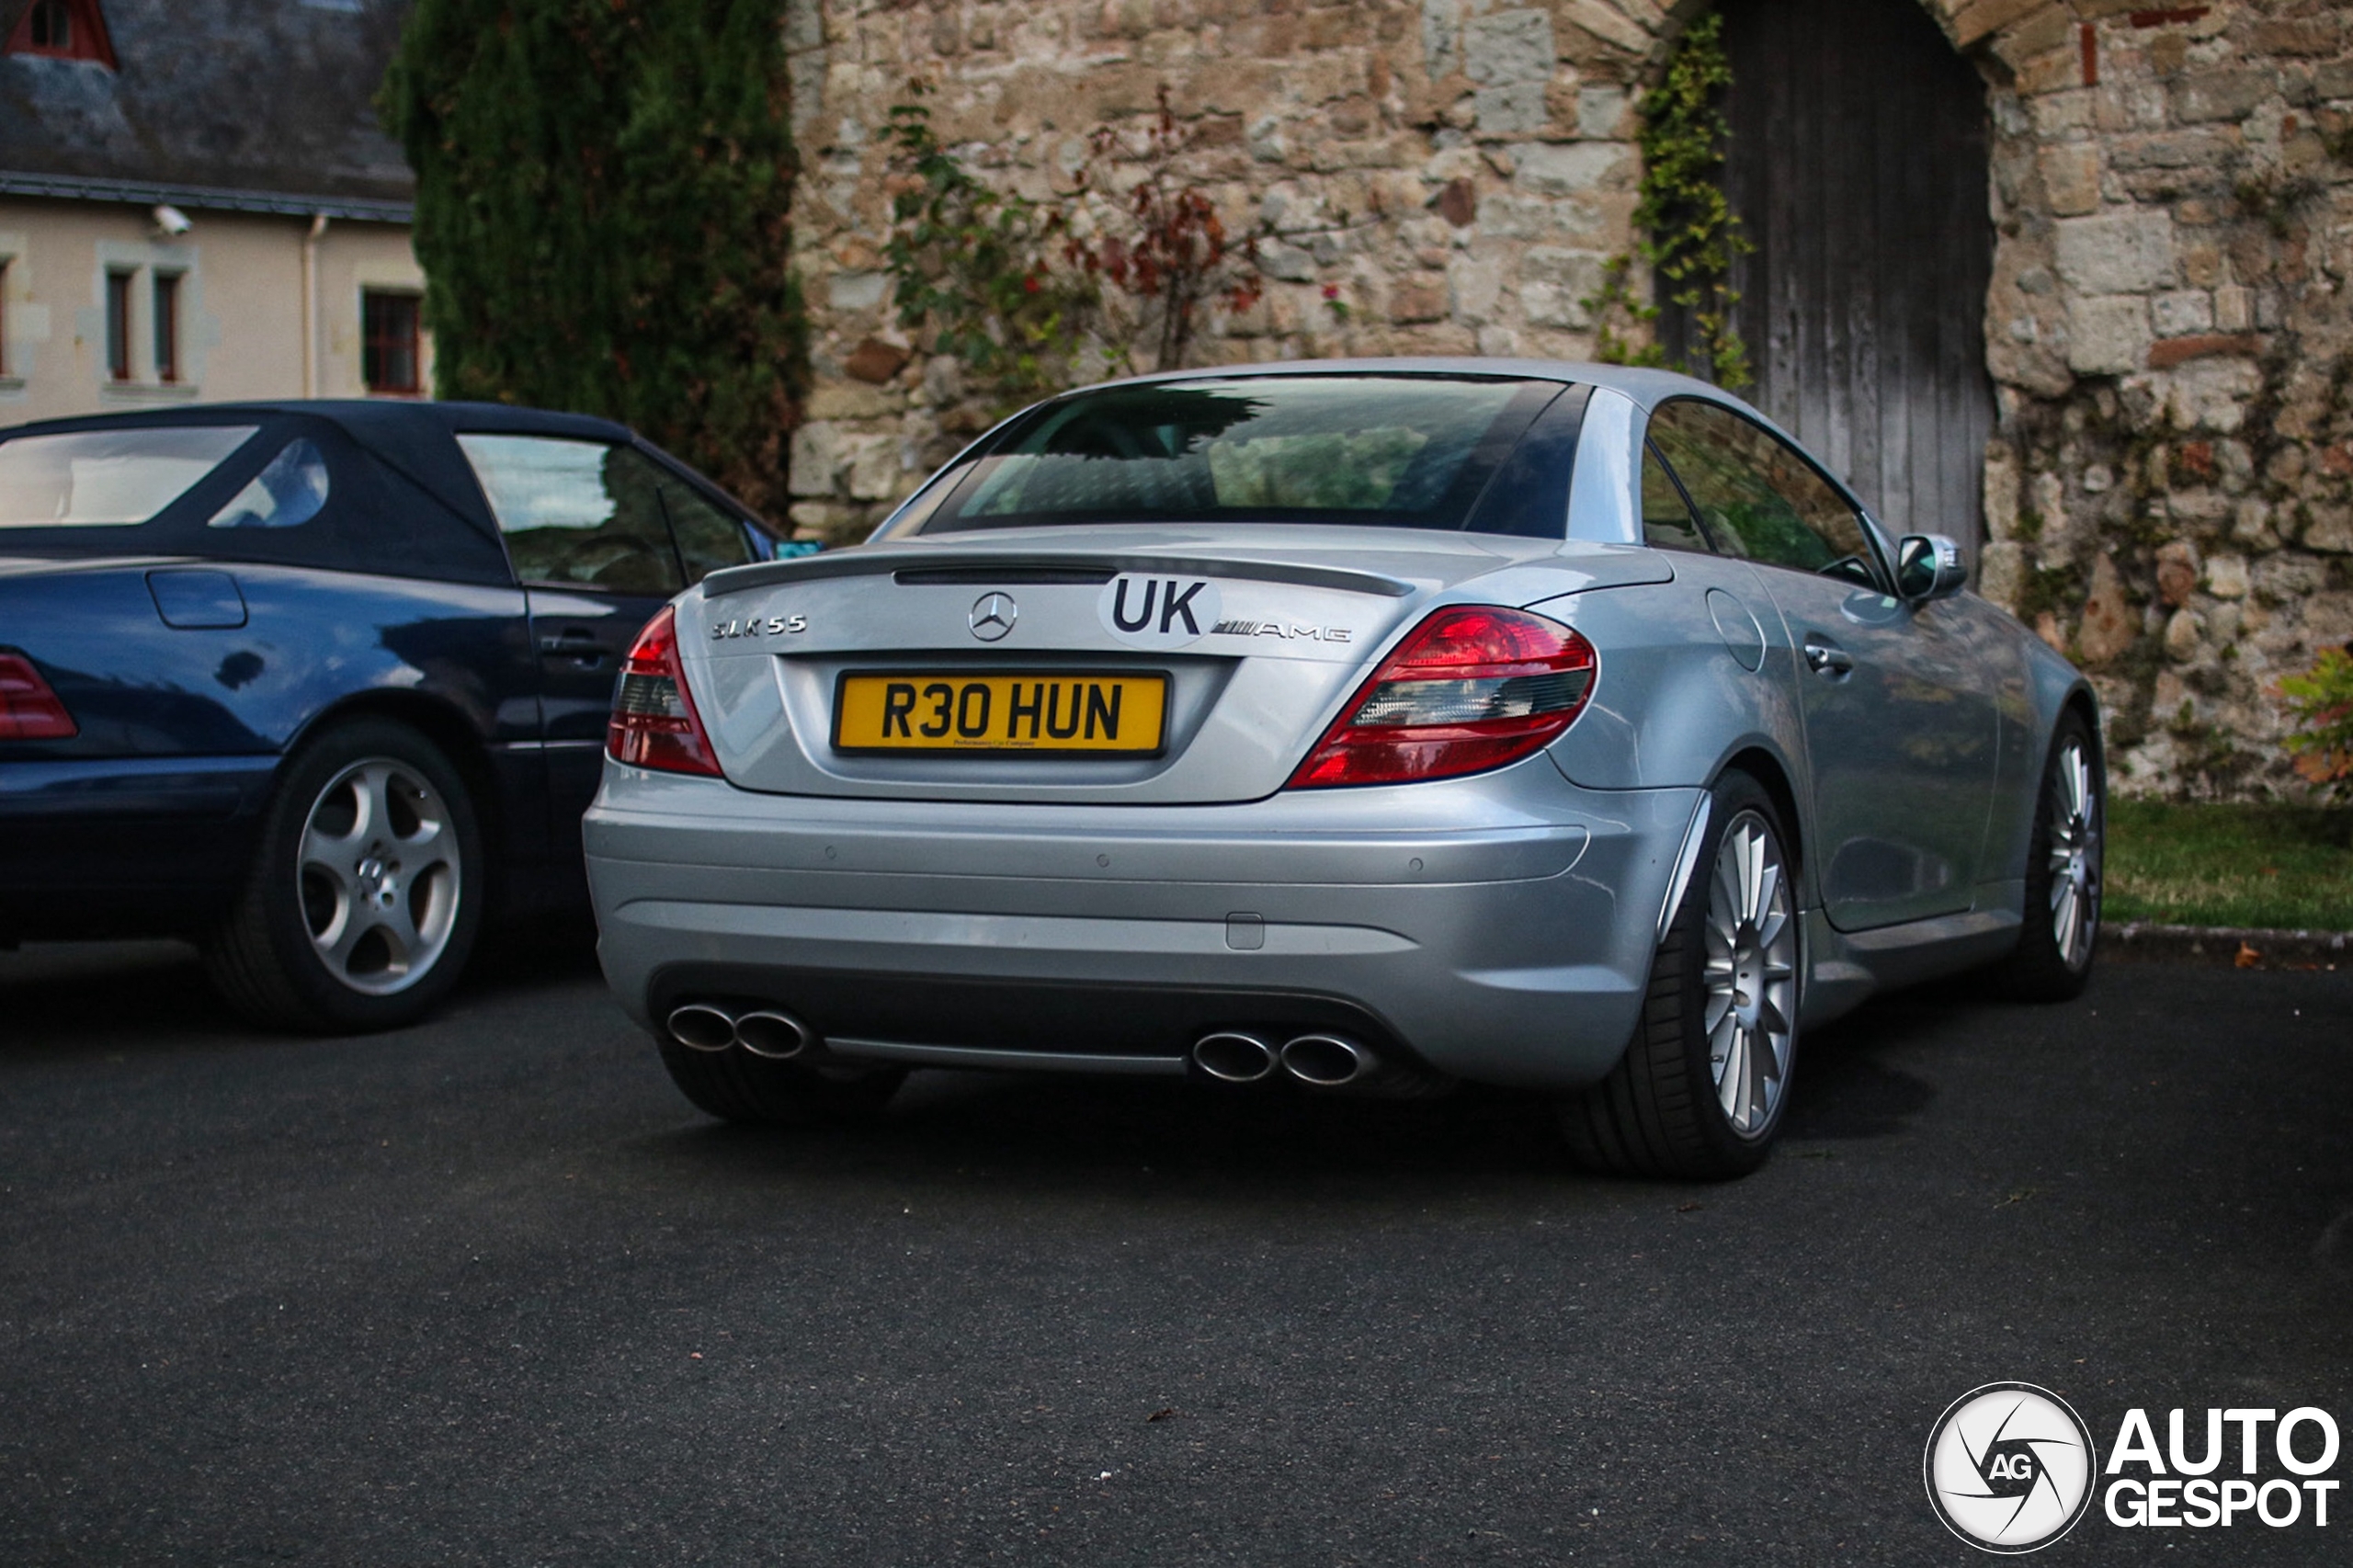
{"type": "Point", "coordinates": [29, 710]}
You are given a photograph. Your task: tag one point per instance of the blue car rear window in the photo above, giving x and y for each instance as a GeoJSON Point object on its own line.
{"type": "Point", "coordinates": [289, 492]}
{"type": "Point", "coordinates": [1407, 451]}
{"type": "Point", "coordinates": [117, 478]}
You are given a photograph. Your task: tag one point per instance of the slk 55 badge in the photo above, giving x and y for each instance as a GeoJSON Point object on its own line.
{"type": "Point", "coordinates": [756, 625]}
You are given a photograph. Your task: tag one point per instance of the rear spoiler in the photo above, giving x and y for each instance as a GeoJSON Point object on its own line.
{"type": "Point", "coordinates": [997, 569]}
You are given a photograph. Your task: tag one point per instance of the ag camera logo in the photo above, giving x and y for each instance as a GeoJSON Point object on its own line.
{"type": "Point", "coordinates": [2009, 1467]}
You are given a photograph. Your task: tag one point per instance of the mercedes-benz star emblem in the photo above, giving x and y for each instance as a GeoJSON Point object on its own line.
{"type": "Point", "coordinates": [993, 616]}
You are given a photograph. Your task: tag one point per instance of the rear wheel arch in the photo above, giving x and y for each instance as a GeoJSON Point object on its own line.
{"type": "Point", "coordinates": [373, 928]}
{"type": "Point", "coordinates": [2083, 706]}
{"type": "Point", "coordinates": [1765, 768]}
{"type": "Point", "coordinates": [1700, 1088]}
{"type": "Point", "coordinates": [451, 731]}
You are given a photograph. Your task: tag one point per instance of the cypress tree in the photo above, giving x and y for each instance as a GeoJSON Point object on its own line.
{"type": "Point", "coordinates": [603, 190]}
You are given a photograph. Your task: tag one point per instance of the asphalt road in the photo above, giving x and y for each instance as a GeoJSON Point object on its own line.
{"type": "Point", "coordinates": [490, 1291]}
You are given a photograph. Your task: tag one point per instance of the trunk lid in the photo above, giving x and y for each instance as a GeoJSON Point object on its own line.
{"type": "Point", "coordinates": [1260, 633]}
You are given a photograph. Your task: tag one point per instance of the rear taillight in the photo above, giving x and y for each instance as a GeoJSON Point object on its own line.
{"type": "Point", "coordinates": [29, 710]}
{"type": "Point", "coordinates": [655, 723]}
{"type": "Point", "coordinates": [1473, 688]}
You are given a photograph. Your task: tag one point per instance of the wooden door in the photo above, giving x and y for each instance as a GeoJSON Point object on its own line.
{"type": "Point", "coordinates": [1858, 165]}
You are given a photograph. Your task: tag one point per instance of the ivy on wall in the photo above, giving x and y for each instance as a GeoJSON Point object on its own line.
{"type": "Point", "coordinates": [1033, 297]}
{"type": "Point", "coordinates": [980, 272]}
{"type": "Point", "coordinates": [1686, 232]}
{"type": "Point", "coordinates": [1178, 260]}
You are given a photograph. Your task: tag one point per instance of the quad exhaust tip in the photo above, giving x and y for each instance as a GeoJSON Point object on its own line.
{"type": "Point", "coordinates": [1235, 1056]}
{"type": "Point", "coordinates": [777, 1036]}
{"type": "Point", "coordinates": [765, 1031]}
{"type": "Point", "coordinates": [1326, 1060]}
{"type": "Point", "coordinates": [1246, 1056]}
{"type": "Point", "coordinates": [701, 1026]}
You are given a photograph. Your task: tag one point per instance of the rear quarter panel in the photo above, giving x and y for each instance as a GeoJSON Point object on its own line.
{"type": "Point", "coordinates": [2039, 686]}
{"type": "Point", "coordinates": [312, 640]}
{"type": "Point", "coordinates": [1672, 702]}
{"type": "Point", "coordinates": [146, 815]}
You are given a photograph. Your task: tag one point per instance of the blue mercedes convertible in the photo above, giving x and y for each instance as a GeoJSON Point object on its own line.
{"type": "Point", "coordinates": [319, 685]}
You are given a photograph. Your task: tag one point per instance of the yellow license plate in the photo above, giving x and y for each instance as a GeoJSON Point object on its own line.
{"type": "Point", "coordinates": [1036, 712]}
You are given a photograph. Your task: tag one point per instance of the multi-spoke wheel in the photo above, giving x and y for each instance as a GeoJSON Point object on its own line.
{"type": "Point", "coordinates": [2072, 806]}
{"type": "Point", "coordinates": [1700, 1090]}
{"type": "Point", "coordinates": [1750, 974]}
{"type": "Point", "coordinates": [2053, 960]}
{"type": "Point", "coordinates": [365, 894]}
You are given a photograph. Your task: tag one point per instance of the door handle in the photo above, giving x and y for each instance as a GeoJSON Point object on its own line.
{"type": "Point", "coordinates": [581, 647]}
{"type": "Point", "coordinates": [1827, 659]}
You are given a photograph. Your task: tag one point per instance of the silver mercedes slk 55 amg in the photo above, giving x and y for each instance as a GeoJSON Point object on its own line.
{"type": "Point", "coordinates": [1374, 725]}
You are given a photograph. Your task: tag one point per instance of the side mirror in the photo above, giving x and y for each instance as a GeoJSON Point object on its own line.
{"type": "Point", "coordinates": [1928, 566]}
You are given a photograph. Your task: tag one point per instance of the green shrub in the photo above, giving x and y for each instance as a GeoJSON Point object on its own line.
{"type": "Point", "coordinates": [602, 204]}
{"type": "Point", "coordinates": [2322, 701]}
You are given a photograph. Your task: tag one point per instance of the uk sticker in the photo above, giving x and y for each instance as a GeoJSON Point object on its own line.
{"type": "Point", "coordinates": [1158, 611]}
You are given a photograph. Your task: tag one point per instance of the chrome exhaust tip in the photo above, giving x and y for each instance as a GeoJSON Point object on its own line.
{"type": "Point", "coordinates": [774, 1035]}
{"type": "Point", "coordinates": [1234, 1056]}
{"type": "Point", "coordinates": [1326, 1060]}
{"type": "Point", "coordinates": [701, 1026]}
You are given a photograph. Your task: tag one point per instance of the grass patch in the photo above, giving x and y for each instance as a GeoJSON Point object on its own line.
{"type": "Point", "coordinates": [2230, 865]}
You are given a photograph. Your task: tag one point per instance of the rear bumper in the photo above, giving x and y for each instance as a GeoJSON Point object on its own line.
{"type": "Point", "coordinates": [115, 847]}
{"type": "Point", "coordinates": [1499, 928]}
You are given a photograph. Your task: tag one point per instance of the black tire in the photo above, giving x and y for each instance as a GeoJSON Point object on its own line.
{"type": "Point", "coordinates": [735, 1086]}
{"type": "Point", "coordinates": [2043, 969]}
{"type": "Point", "coordinates": [1658, 1113]}
{"type": "Point", "coordinates": [263, 961]}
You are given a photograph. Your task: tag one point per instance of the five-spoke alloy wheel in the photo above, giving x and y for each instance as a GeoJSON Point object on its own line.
{"type": "Point", "coordinates": [380, 879]}
{"type": "Point", "coordinates": [366, 891]}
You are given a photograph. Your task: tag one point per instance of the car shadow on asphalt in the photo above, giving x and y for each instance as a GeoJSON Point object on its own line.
{"type": "Point", "coordinates": [1035, 1130]}
{"type": "Point", "coordinates": [66, 998]}
{"type": "Point", "coordinates": [1052, 1130]}
{"type": "Point", "coordinates": [1848, 1089]}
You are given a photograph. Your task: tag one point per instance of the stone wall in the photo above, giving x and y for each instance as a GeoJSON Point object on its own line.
{"type": "Point", "coordinates": [2170, 494]}
{"type": "Point", "coordinates": [2169, 498]}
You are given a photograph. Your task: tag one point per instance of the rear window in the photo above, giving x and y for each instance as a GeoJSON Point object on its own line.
{"type": "Point", "coordinates": [108, 478]}
{"type": "Point", "coordinates": [1409, 451]}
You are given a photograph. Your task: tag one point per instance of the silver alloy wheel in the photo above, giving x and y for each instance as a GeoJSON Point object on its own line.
{"type": "Point", "coordinates": [2074, 812]}
{"type": "Point", "coordinates": [377, 876]}
{"type": "Point", "coordinates": [1751, 975]}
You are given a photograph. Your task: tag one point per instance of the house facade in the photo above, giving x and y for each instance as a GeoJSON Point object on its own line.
{"type": "Point", "coordinates": [2066, 278]}
{"type": "Point", "coordinates": [196, 204]}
